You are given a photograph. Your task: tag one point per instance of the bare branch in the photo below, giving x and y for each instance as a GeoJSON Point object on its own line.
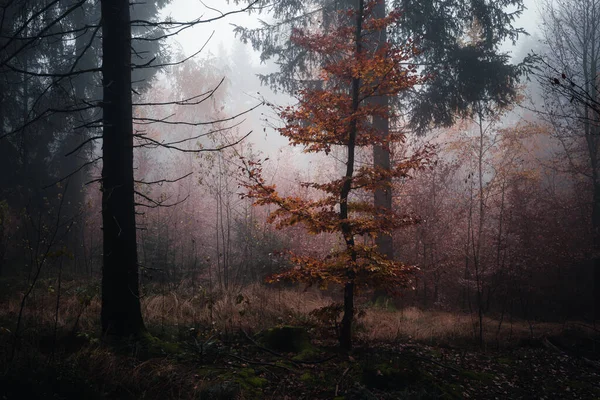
{"type": "Point", "coordinates": [74, 172]}
{"type": "Point", "coordinates": [156, 204]}
{"type": "Point", "coordinates": [149, 121]}
{"type": "Point", "coordinates": [161, 181]}
{"type": "Point", "coordinates": [170, 64]}
{"type": "Point", "coordinates": [223, 147]}
{"type": "Point", "coordinates": [144, 23]}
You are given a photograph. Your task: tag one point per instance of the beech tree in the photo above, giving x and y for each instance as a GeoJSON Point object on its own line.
{"type": "Point", "coordinates": [461, 74]}
{"type": "Point", "coordinates": [333, 116]}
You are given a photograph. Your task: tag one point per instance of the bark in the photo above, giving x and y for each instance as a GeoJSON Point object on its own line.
{"type": "Point", "coordinates": [121, 314]}
{"type": "Point", "coordinates": [596, 246]}
{"type": "Point", "coordinates": [381, 159]}
{"type": "Point", "coordinates": [381, 154]}
{"type": "Point", "coordinates": [347, 319]}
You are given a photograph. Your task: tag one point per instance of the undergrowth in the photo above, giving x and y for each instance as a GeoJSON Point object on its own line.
{"type": "Point", "coordinates": [214, 345]}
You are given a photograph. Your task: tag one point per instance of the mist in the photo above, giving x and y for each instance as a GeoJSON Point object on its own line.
{"type": "Point", "coordinates": [366, 199]}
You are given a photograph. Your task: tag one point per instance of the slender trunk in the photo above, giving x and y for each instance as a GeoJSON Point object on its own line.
{"type": "Point", "coordinates": [425, 294]}
{"type": "Point", "coordinates": [381, 154]}
{"type": "Point", "coordinates": [121, 312]}
{"type": "Point", "coordinates": [478, 265]}
{"type": "Point", "coordinates": [466, 289]}
{"type": "Point", "coordinates": [57, 306]}
{"type": "Point", "coordinates": [346, 326]}
{"type": "Point", "coordinates": [592, 142]}
{"type": "Point", "coordinates": [590, 70]}
{"type": "Point", "coordinates": [596, 245]}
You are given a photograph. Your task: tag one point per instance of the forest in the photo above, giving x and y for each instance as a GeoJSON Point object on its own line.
{"type": "Point", "coordinates": [287, 199]}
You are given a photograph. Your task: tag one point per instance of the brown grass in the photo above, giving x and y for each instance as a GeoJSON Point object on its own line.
{"type": "Point", "coordinates": [257, 307]}
{"type": "Point", "coordinates": [438, 327]}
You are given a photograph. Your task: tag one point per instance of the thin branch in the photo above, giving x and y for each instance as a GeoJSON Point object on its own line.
{"type": "Point", "coordinates": [46, 28]}
{"type": "Point", "coordinates": [223, 147]}
{"type": "Point", "coordinates": [149, 121]}
{"type": "Point", "coordinates": [144, 23]}
{"type": "Point", "coordinates": [160, 181]}
{"type": "Point", "coordinates": [190, 101]}
{"type": "Point", "coordinates": [156, 204]}
{"type": "Point", "coordinates": [170, 64]}
{"type": "Point", "coordinates": [73, 173]}
{"type": "Point", "coordinates": [142, 136]}
{"type": "Point", "coordinates": [83, 144]}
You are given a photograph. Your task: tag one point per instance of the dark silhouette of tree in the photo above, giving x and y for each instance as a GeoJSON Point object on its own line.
{"type": "Point", "coordinates": [121, 314]}
{"type": "Point", "coordinates": [36, 47]}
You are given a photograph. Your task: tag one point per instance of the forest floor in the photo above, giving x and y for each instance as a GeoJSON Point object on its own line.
{"type": "Point", "coordinates": [267, 344]}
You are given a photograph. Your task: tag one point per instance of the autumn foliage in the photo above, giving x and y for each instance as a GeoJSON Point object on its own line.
{"type": "Point", "coordinates": [355, 70]}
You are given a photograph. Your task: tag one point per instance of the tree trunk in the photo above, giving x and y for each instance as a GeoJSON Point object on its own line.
{"type": "Point", "coordinates": [381, 157]}
{"type": "Point", "coordinates": [347, 319]}
{"type": "Point", "coordinates": [381, 154]}
{"type": "Point", "coordinates": [346, 326]}
{"type": "Point", "coordinates": [596, 246]}
{"type": "Point", "coordinates": [121, 314]}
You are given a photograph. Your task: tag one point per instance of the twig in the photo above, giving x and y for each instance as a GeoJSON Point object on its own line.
{"type": "Point", "coordinates": [337, 385]}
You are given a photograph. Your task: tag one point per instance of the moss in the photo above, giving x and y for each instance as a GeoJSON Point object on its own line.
{"type": "Point", "coordinates": [149, 346]}
{"type": "Point", "coordinates": [291, 339]}
{"type": "Point", "coordinates": [306, 377]}
{"type": "Point", "coordinates": [307, 354]}
{"type": "Point", "coordinates": [249, 383]}
{"type": "Point", "coordinates": [256, 381]}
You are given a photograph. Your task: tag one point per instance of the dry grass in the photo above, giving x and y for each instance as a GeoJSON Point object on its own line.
{"type": "Point", "coordinates": [257, 307]}
{"type": "Point", "coordinates": [438, 327]}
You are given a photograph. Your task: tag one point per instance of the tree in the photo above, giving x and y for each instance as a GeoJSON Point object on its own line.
{"type": "Point", "coordinates": [333, 116]}
{"type": "Point", "coordinates": [461, 74]}
{"type": "Point", "coordinates": [50, 55]}
{"type": "Point", "coordinates": [568, 74]}
{"type": "Point", "coordinates": [70, 29]}
{"type": "Point", "coordinates": [121, 313]}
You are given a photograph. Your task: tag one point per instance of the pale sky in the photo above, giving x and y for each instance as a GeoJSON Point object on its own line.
{"type": "Point", "coordinates": [191, 40]}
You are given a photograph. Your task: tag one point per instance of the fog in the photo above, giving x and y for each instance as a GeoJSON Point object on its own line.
{"type": "Point", "coordinates": [299, 199]}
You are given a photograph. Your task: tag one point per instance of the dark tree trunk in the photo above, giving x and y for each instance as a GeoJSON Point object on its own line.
{"type": "Point", "coordinates": [346, 325]}
{"type": "Point", "coordinates": [121, 314]}
{"type": "Point", "coordinates": [381, 154]}
{"type": "Point", "coordinates": [596, 246]}
{"type": "Point", "coordinates": [348, 318]}
{"type": "Point", "coordinates": [381, 157]}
